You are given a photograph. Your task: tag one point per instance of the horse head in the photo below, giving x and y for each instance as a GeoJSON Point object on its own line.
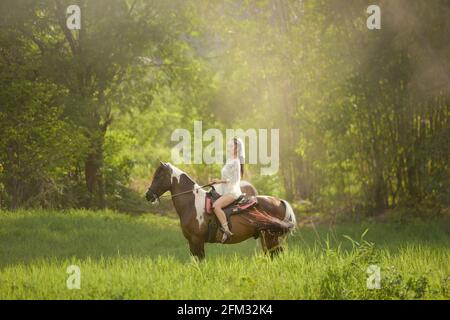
{"type": "Point", "coordinates": [162, 182]}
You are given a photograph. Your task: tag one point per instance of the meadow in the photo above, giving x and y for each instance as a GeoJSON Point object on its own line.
{"type": "Point", "coordinates": [146, 257]}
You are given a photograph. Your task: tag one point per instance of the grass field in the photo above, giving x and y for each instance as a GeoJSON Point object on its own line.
{"type": "Point", "coordinates": [146, 257]}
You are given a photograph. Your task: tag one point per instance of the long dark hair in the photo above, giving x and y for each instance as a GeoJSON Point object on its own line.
{"type": "Point", "coordinates": [235, 140]}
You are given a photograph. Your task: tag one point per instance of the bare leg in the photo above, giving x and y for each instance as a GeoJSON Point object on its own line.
{"type": "Point", "coordinates": [220, 203]}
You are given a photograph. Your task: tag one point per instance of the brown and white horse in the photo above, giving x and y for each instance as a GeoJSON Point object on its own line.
{"type": "Point", "coordinates": [188, 199]}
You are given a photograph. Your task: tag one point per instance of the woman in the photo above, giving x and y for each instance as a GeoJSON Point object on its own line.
{"type": "Point", "coordinates": [231, 190]}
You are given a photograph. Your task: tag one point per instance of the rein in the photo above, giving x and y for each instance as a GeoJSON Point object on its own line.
{"type": "Point", "coordinates": [184, 192]}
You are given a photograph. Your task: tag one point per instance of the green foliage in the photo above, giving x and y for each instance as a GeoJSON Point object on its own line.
{"type": "Point", "coordinates": [118, 162]}
{"type": "Point", "coordinates": [40, 149]}
{"type": "Point", "coordinates": [271, 185]}
{"type": "Point", "coordinates": [363, 115]}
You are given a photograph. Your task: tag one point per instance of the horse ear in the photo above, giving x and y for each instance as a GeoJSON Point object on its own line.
{"type": "Point", "coordinates": [163, 164]}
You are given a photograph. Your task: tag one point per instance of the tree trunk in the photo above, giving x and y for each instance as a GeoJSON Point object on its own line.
{"type": "Point", "coordinates": [93, 168]}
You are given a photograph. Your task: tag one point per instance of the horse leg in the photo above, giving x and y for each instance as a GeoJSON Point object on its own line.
{"type": "Point", "coordinates": [197, 247]}
{"type": "Point", "coordinates": [271, 243]}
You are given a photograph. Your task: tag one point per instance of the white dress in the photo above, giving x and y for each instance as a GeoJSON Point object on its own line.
{"type": "Point", "coordinates": [231, 172]}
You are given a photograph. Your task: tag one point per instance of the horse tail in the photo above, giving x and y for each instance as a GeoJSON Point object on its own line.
{"type": "Point", "coordinates": [289, 214]}
{"type": "Point", "coordinates": [261, 220]}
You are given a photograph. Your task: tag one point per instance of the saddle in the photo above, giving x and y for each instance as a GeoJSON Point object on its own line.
{"type": "Point", "coordinates": [240, 205]}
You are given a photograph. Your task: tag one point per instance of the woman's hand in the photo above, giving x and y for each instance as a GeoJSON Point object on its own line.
{"type": "Point", "coordinates": [214, 181]}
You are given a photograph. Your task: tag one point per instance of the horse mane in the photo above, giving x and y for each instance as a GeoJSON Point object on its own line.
{"type": "Point", "coordinates": [181, 173]}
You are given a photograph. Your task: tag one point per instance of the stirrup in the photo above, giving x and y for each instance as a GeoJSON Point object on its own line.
{"type": "Point", "coordinates": [225, 237]}
{"type": "Point", "coordinates": [226, 233]}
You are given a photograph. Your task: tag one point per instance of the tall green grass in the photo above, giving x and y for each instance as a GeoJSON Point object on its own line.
{"type": "Point", "coordinates": [146, 257]}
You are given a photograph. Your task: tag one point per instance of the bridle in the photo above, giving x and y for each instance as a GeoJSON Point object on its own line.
{"type": "Point", "coordinates": [178, 194]}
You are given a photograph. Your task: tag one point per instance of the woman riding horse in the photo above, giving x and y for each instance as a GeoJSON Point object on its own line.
{"type": "Point", "coordinates": [231, 190]}
{"type": "Point", "coordinates": [270, 219]}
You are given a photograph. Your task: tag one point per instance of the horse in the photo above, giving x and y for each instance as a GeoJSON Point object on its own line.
{"type": "Point", "coordinates": [270, 220]}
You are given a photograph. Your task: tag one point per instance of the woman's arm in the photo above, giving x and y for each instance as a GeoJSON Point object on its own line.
{"type": "Point", "coordinates": [236, 173]}
{"type": "Point", "coordinates": [218, 181]}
